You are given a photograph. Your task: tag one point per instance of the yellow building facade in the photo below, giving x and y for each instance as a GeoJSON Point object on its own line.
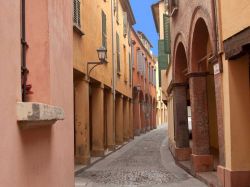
{"type": "Point", "coordinates": [103, 92]}
{"type": "Point", "coordinates": [234, 41]}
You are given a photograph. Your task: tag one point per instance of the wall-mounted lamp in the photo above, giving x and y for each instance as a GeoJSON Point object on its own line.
{"type": "Point", "coordinates": [102, 55]}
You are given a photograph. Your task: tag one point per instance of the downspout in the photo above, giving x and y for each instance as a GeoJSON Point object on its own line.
{"type": "Point", "coordinates": [24, 69]}
{"type": "Point", "coordinates": [218, 58]}
{"type": "Point", "coordinates": [114, 67]}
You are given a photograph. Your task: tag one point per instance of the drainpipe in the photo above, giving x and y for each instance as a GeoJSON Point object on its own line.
{"type": "Point", "coordinates": [218, 56]}
{"type": "Point", "coordinates": [216, 29]}
{"type": "Point", "coordinates": [114, 67]}
{"type": "Point", "coordinates": [24, 69]}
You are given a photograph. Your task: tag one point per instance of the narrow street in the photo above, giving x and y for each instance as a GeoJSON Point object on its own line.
{"type": "Point", "coordinates": [145, 161]}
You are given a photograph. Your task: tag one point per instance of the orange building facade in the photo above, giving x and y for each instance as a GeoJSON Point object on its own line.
{"type": "Point", "coordinates": [144, 84]}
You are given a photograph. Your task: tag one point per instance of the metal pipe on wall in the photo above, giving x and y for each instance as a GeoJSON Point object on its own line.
{"type": "Point", "coordinates": [114, 67]}
{"type": "Point", "coordinates": [24, 69]}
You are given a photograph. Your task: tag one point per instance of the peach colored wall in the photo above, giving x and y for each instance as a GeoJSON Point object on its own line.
{"type": "Point", "coordinates": [236, 114]}
{"type": "Point", "coordinates": [41, 156]}
{"type": "Point", "coordinates": [234, 16]}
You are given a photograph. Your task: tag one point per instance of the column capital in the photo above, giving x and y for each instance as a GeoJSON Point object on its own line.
{"type": "Point", "coordinates": [173, 85]}
{"type": "Point", "coordinates": [98, 85]}
{"type": "Point", "coordinates": [197, 74]}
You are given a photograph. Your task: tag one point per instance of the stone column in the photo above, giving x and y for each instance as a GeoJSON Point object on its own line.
{"type": "Point", "coordinates": [131, 117]}
{"type": "Point", "coordinates": [126, 119]}
{"type": "Point", "coordinates": [119, 120]}
{"type": "Point", "coordinates": [97, 110]}
{"type": "Point", "coordinates": [202, 160]}
{"type": "Point", "coordinates": [110, 120]}
{"type": "Point", "coordinates": [82, 148]}
{"type": "Point", "coordinates": [182, 149]}
{"type": "Point", "coordinates": [137, 117]}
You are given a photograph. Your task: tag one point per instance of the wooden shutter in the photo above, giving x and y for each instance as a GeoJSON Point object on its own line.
{"type": "Point", "coordinates": [125, 24]}
{"type": "Point", "coordinates": [117, 10]}
{"type": "Point", "coordinates": [104, 30]}
{"type": "Point", "coordinates": [118, 53]}
{"type": "Point", "coordinates": [130, 69]}
{"type": "Point", "coordinates": [77, 13]}
{"type": "Point", "coordinates": [140, 62]}
{"type": "Point", "coordinates": [167, 37]}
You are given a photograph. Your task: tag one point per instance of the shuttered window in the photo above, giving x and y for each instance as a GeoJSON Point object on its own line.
{"type": "Point", "coordinates": [125, 24]}
{"type": "Point", "coordinates": [77, 13]}
{"type": "Point", "coordinates": [130, 69]}
{"type": "Point", "coordinates": [167, 42]}
{"type": "Point", "coordinates": [149, 69]}
{"type": "Point", "coordinates": [140, 60]}
{"type": "Point", "coordinates": [117, 10]}
{"type": "Point", "coordinates": [129, 35]}
{"type": "Point", "coordinates": [104, 30]}
{"type": "Point", "coordinates": [118, 53]}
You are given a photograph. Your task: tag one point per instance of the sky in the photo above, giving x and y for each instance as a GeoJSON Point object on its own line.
{"type": "Point", "coordinates": [145, 21]}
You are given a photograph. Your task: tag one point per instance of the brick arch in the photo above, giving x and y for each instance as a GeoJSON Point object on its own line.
{"type": "Point", "coordinates": [180, 64]}
{"type": "Point", "coordinates": [200, 14]}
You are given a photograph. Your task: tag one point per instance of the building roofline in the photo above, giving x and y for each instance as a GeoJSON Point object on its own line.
{"type": "Point", "coordinates": [126, 5]}
{"type": "Point", "coordinates": [145, 37]}
{"type": "Point", "coordinates": [148, 52]}
{"type": "Point", "coordinates": [156, 14]}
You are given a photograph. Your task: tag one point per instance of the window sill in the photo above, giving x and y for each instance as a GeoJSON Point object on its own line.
{"type": "Point", "coordinates": [31, 115]}
{"type": "Point", "coordinates": [78, 30]}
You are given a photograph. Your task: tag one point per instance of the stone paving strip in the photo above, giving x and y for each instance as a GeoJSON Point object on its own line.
{"type": "Point", "coordinates": [146, 162]}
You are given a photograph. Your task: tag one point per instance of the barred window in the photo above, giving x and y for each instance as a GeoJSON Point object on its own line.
{"type": "Point", "coordinates": [77, 13]}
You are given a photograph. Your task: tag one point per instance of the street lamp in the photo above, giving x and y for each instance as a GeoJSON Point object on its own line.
{"type": "Point", "coordinates": [102, 55]}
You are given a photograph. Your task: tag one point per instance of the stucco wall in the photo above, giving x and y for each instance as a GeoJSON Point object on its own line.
{"type": "Point", "coordinates": [85, 46]}
{"type": "Point", "coordinates": [234, 16]}
{"type": "Point", "coordinates": [236, 114]}
{"type": "Point", "coordinates": [41, 156]}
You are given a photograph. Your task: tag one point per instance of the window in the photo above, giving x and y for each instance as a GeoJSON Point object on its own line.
{"type": "Point", "coordinates": [167, 36]}
{"type": "Point", "coordinates": [104, 30]}
{"type": "Point", "coordinates": [129, 36]}
{"type": "Point", "coordinates": [140, 61]}
{"type": "Point", "coordinates": [77, 13]}
{"type": "Point", "coordinates": [130, 69]}
{"type": "Point", "coordinates": [118, 53]}
{"type": "Point", "coordinates": [125, 24]}
{"type": "Point", "coordinates": [117, 10]}
{"type": "Point", "coordinates": [125, 63]}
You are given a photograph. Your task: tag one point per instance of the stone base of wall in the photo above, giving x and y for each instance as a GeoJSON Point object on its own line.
{"type": "Point", "coordinates": [82, 160]}
{"type": "Point", "coordinates": [202, 163]}
{"type": "Point", "coordinates": [98, 153]}
{"type": "Point", "coordinates": [183, 154]}
{"type": "Point", "coordinates": [137, 132]}
{"type": "Point", "coordinates": [229, 178]}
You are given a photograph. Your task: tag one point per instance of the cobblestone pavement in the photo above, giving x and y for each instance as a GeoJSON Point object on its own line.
{"type": "Point", "coordinates": [146, 161]}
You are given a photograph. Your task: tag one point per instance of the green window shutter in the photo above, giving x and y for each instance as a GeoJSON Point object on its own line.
{"type": "Point", "coordinates": [104, 30]}
{"type": "Point", "coordinates": [130, 69]}
{"type": "Point", "coordinates": [163, 58]}
{"type": "Point", "coordinates": [167, 36]}
{"type": "Point", "coordinates": [118, 53]}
